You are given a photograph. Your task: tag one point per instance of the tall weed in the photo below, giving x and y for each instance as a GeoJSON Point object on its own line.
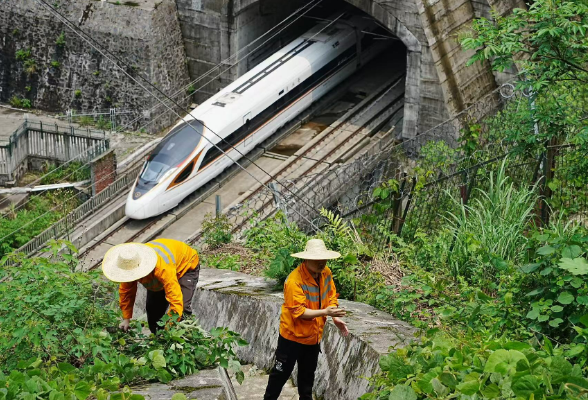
{"type": "Point", "coordinates": [490, 230]}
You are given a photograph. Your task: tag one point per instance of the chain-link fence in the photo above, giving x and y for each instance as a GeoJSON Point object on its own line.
{"type": "Point", "coordinates": [412, 195]}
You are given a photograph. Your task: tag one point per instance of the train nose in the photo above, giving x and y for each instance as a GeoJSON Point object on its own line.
{"type": "Point", "coordinates": [135, 209]}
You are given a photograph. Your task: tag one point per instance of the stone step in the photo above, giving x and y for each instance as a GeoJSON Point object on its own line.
{"type": "Point", "coordinates": [254, 385]}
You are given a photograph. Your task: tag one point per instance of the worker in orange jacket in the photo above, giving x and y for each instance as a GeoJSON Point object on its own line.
{"type": "Point", "coordinates": [168, 269]}
{"type": "Point", "coordinates": [309, 298]}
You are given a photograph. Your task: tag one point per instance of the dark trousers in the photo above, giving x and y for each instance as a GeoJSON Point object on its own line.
{"type": "Point", "coordinates": [157, 304]}
{"type": "Point", "coordinates": [287, 354]}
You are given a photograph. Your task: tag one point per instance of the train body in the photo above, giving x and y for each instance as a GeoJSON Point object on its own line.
{"type": "Point", "coordinates": [248, 111]}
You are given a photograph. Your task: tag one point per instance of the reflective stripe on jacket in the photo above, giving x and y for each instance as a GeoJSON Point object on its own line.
{"type": "Point", "coordinates": [174, 258]}
{"type": "Point", "coordinates": [302, 292]}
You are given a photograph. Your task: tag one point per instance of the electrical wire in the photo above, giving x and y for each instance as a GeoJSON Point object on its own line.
{"type": "Point", "coordinates": [96, 45]}
{"type": "Point", "coordinates": [317, 2]}
{"type": "Point", "coordinates": [227, 60]}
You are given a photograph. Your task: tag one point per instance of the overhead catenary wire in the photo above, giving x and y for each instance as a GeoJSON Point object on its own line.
{"type": "Point", "coordinates": [96, 45]}
{"type": "Point", "coordinates": [131, 123]}
{"type": "Point", "coordinates": [316, 3]}
{"type": "Point", "coordinates": [227, 60]}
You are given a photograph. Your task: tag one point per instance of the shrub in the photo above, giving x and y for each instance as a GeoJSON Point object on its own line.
{"type": "Point", "coordinates": [74, 171]}
{"type": "Point", "coordinates": [60, 41]}
{"type": "Point", "coordinates": [216, 230]}
{"type": "Point", "coordinates": [59, 334]}
{"type": "Point", "coordinates": [86, 120]}
{"type": "Point", "coordinates": [15, 101]}
{"type": "Point", "coordinates": [78, 93]}
{"type": "Point", "coordinates": [102, 123]}
{"type": "Point", "coordinates": [438, 366]}
{"type": "Point", "coordinates": [557, 290]}
{"type": "Point", "coordinates": [23, 54]}
{"type": "Point", "coordinates": [55, 64]}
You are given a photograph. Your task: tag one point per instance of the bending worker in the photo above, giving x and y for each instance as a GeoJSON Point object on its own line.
{"type": "Point", "coordinates": [167, 268]}
{"type": "Point", "coordinates": [309, 298]}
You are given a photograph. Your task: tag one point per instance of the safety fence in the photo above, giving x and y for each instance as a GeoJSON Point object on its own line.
{"type": "Point", "coordinates": [417, 198]}
{"type": "Point", "coordinates": [49, 142]}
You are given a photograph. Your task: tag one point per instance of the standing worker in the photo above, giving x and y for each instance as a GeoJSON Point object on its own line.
{"type": "Point", "coordinates": [169, 270]}
{"type": "Point", "coordinates": [309, 298]}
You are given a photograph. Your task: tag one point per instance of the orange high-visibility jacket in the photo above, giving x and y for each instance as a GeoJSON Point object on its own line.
{"type": "Point", "coordinates": [174, 259]}
{"type": "Point", "coordinates": [301, 291]}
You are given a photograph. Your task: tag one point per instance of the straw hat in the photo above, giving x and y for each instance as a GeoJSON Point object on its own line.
{"type": "Point", "coordinates": [316, 250]}
{"type": "Point", "coordinates": [128, 262]}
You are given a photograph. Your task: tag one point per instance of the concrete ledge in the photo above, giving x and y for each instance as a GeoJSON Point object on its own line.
{"type": "Point", "coordinates": [250, 305]}
{"type": "Point", "coordinates": [205, 385]}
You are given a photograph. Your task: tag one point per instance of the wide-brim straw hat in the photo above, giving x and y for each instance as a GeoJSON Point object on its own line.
{"type": "Point", "coordinates": [316, 250]}
{"type": "Point", "coordinates": [128, 262]}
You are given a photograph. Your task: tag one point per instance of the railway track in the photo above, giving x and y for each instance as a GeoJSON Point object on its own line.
{"type": "Point", "coordinates": [334, 141]}
{"type": "Point", "coordinates": [127, 230]}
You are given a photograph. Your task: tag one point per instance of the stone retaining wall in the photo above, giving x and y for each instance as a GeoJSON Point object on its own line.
{"type": "Point", "coordinates": [250, 305]}
{"type": "Point", "coordinates": [69, 73]}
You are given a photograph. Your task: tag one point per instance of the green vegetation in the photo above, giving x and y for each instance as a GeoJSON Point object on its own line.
{"type": "Point", "coordinates": [60, 41]}
{"type": "Point", "coordinates": [74, 171]}
{"type": "Point", "coordinates": [55, 64]}
{"type": "Point", "coordinates": [78, 93]}
{"type": "Point", "coordinates": [216, 230]}
{"type": "Point", "coordinates": [20, 226]}
{"type": "Point", "coordinates": [29, 63]}
{"type": "Point", "coordinates": [502, 296]}
{"type": "Point", "coordinates": [63, 343]}
{"type": "Point", "coordinates": [20, 102]}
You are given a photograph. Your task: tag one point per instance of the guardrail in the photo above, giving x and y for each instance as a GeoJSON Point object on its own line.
{"type": "Point", "coordinates": [50, 141]}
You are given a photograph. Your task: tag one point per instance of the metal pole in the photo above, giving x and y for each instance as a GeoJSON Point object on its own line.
{"type": "Point", "coordinates": [218, 205]}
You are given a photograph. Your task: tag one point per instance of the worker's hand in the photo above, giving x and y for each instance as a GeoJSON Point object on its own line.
{"type": "Point", "coordinates": [125, 325]}
{"type": "Point", "coordinates": [341, 325]}
{"type": "Point", "coordinates": [334, 312]}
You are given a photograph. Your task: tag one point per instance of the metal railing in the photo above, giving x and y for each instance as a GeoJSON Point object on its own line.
{"type": "Point", "coordinates": [48, 141]}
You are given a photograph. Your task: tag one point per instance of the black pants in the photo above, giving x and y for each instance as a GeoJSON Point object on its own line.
{"type": "Point", "coordinates": [287, 354]}
{"type": "Point", "coordinates": [157, 304]}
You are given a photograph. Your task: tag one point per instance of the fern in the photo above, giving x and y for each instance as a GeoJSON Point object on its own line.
{"type": "Point", "coordinates": [336, 223]}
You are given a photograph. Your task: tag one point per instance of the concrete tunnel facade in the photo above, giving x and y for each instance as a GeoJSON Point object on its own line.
{"type": "Point", "coordinates": [173, 42]}
{"type": "Point", "coordinates": [438, 84]}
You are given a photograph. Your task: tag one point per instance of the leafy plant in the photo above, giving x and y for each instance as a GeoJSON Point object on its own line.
{"type": "Point", "coordinates": [102, 123]}
{"type": "Point", "coordinates": [55, 64]}
{"type": "Point", "coordinates": [216, 230]}
{"type": "Point", "coordinates": [439, 366]}
{"type": "Point", "coordinates": [23, 54]}
{"type": "Point", "coordinates": [559, 296]}
{"type": "Point", "coordinates": [53, 341]}
{"type": "Point", "coordinates": [281, 266]}
{"type": "Point", "coordinates": [60, 41]}
{"type": "Point", "coordinates": [78, 93]}
{"type": "Point", "coordinates": [491, 229]}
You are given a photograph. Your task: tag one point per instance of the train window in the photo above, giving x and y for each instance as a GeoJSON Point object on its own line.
{"type": "Point", "coordinates": [185, 173]}
{"type": "Point", "coordinates": [171, 151]}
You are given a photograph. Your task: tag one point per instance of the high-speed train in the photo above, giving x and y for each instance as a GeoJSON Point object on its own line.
{"type": "Point", "coordinates": [248, 111]}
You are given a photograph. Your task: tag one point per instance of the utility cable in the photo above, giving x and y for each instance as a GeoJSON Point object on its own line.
{"type": "Point", "coordinates": [96, 45]}
{"type": "Point", "coordinates": [196, 80]}
{"type": "Point", "coordinates": [227, 60]}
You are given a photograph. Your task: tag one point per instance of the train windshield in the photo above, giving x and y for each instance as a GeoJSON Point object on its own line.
{"type": "Point", "coordinates": [169, 153]}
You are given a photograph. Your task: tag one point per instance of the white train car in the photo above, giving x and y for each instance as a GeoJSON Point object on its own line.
{"type": "Point", "coordinates": [248, 111]}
